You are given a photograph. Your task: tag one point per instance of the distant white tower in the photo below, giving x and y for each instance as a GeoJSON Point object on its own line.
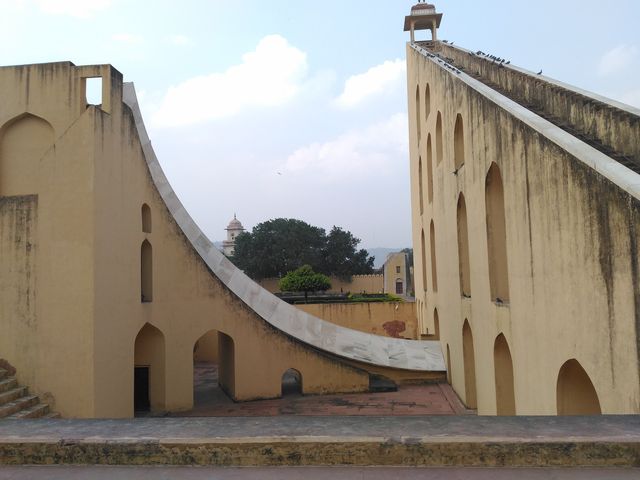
{"type": "Point", "coordinates": [234, 229]}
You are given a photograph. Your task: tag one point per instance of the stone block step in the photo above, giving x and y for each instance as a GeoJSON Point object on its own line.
{"type": "Point", "coordinates": [51, 415]}
{"type": "Point", "coordinates": [17, 405]}
{"type": "Point", "coordinates": [35, 411]}
{"type": "Point", "coordinates": [8, 383]}
{"type": "Point", "coordinates": [3, 374]}
{"type": "Point", "coordinates": [427, 441]}
{"type": "Point", "coordinates": [11, 395]}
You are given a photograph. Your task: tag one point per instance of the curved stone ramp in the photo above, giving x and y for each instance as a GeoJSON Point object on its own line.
{"type": "Point", "coordinates": [622, 176]}
{"type": "Point", "coordinates": [425, 356]}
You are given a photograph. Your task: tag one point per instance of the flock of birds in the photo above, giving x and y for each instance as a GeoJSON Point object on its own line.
{"type": "Point", "coordinates": [494, 60]}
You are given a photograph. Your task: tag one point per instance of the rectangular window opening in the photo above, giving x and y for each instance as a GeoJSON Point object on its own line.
{"type": "Point", "coordinates": [93, 89]}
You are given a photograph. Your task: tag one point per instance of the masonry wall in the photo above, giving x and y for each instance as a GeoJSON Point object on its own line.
{"type": "Point", "coordinates": [571, 241]}
{"type": "Point", "coordinates": [80, 299]}
{"type": "Point", "coordinates": [46, 244]}
{"type": "Point", "coordinates": [388, 319]}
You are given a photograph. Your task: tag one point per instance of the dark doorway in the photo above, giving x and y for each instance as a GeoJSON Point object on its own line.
{"type": "Point", "coordinates": [141, 389]}
{"type": "Point", "coordinates": [291, 382]}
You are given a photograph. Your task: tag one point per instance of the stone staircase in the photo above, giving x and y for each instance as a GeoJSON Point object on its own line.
{"type": "Point", "coordinates": [15, 401]}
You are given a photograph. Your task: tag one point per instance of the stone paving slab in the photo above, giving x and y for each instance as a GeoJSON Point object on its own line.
{"type": "Point", "coordinates": [275, 441]}
{"type": "Point", "coordinates": [426, 399]}
{"type": "Point", "coordinates": [310, 473]}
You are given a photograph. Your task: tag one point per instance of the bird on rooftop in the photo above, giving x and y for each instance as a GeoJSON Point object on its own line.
{"type": "Point", "coordinates": [540, 72]}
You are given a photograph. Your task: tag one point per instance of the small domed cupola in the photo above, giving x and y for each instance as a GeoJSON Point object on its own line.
{"type": "Point", "coordinates": [423, 17]}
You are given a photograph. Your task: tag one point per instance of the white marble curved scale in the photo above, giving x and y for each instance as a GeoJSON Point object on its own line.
{"type": "Point", "coordinates": [337, 340]}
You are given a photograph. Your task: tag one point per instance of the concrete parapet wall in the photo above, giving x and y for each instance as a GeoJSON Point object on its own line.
{"type": "Point", "coordinates": [389, 319]}
{"type": "Point", "coordinates": [607, 121]}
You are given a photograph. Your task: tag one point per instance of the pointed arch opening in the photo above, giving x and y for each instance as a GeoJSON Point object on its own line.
{"type": "Point", "coordinates": [146, 272]}
{"type": "Point", "coordinates": [149, 370]}
{"type": "Point", "coordinates": [575, 393]}
{"type": "Point", "coordinates": [146, 218]}
{"type": "Point", "coordinates": [503, 366]}
{"type": "Point", "coordinates": [439, 139]}
{"type": "Point", "coordinates": [434, 267]}
{"type": "Point", "coordinates": [469, 359]}
{"type": "Point", "coordinates": [458, 143]}
{"type": "Point", "coordinates": [418, 116]}
{"type": "Point", "coordinates": [429, 170]}
{"type": "Point", "coordinates": [436, 324]}
{"type": "Point", "coordinates": [463, 249]}
{"type": "Point", "coordinates": [291, 383]}
{"type": "Point", "coordinates": [496, 236]}
{"type": "Point", "coordinates": [420, 186]}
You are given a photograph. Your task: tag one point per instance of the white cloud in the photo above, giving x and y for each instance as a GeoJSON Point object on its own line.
{"type": "Point", "coordinates": [180, 40]}
{"type": "Point", "coordinates": [267, 77]}
{"type": "Point", "coordinates": [74, 8]}
{"type": "Point", "coordinates": [371, 149]}
{"type": "Point", "coordinates": [617, 59]}
{"type": "Point", "coordinates": [129, 38]}
{"type": "Point", "coordinates": [376, 80]}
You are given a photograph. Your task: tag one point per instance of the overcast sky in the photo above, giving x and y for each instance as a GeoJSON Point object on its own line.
{"type": "Point", "coordinates": [298, 108]}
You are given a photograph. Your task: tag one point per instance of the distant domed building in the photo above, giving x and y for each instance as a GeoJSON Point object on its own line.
{"type": "Point", "coordinates": [234, 229]}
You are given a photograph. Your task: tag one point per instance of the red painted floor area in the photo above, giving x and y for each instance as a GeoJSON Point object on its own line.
{"type": "Point", "coordinates": [432, 399]}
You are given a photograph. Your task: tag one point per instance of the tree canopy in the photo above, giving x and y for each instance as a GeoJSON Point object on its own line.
{"type": "Point", "coordinates": [304, 279]}
{"type": "Point", "coordinates": [276, 247]}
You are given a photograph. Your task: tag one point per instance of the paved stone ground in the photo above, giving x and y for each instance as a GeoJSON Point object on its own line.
{"type": "Point", "coordinates": [211, 401]}
{"type": "Point", "coordinates": [310, 473]}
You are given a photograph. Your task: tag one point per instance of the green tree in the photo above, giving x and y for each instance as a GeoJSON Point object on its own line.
{"type": "Point", "coordinates": [282, 245]}
{"type": "Point", "coordinates": [278, 246]}
{"type": "Point", "coordinates": [304, 279]}
{"type": "Point", "coordinates": [341, 257]}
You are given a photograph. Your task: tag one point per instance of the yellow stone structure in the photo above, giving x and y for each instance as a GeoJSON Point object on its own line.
{"type": "Point", "coordinates": [106, 282]}
{"type": "Point", "coordinates": [526, 221]}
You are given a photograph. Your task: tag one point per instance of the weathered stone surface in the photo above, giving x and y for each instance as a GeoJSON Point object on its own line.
{"type": "Point", "coordinates": [423, 441]}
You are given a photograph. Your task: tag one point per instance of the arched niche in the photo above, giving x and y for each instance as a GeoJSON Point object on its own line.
{"type": "Point", "coordinates": [427, 102]}
{"type": "Point", "coordinates": [24, 141]}
{"type": "Point", "coordinates": [439, 139]}
{"type": "Point", "coordinates": [418, 117]}
{"type": "Point", "coordinates": [429, 170]}
{"type": "Point", "coordinates": [145, 213]}
{"type": "Point", "coordinates": [496, 236]}
{"type": "Point", "coordinates": [468, 354]}
{"type": "Point", "coordinates": [423, 255]}
{"type": "Point", "coordinates": [463, 248]}
{"type": "Point", "coordinates": [434, 266]}
{"type": "Point", "coordinates": [458, 143]}
{"type": "Point", "coordinates": [420, 186]}
{"type": "Point", "coordinates": [503, 366]}
{"type": "Point", "coordinates": [146, 272]}
{"type": "Point", "coordinates": [575, 393]}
